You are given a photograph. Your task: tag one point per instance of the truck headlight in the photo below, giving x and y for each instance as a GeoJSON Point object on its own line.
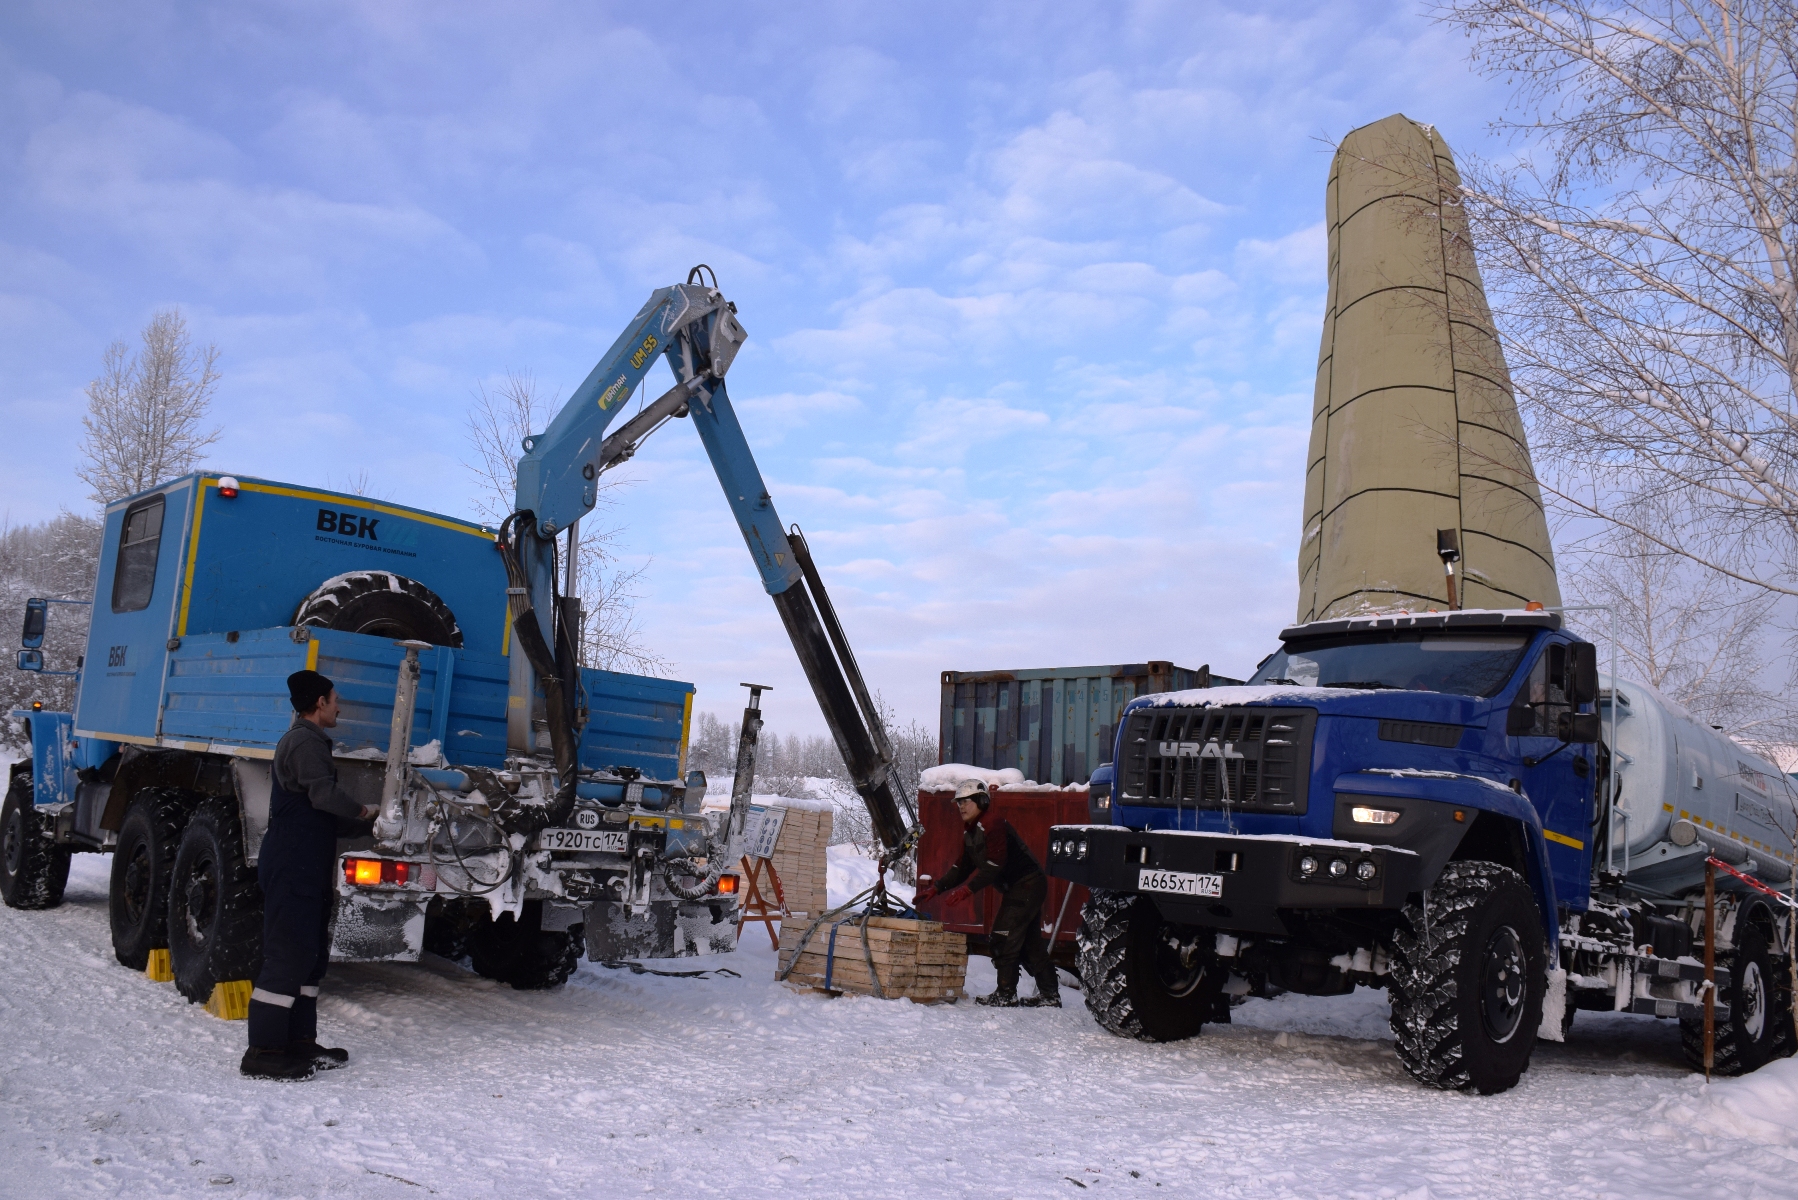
{"type": "Point", "coordinates": [1373, 816]}
{"type": "Point", "coordinates": [1365, 870]}
{"type": "Point", "coordinates": [1080, 849]}
{"type": "Point", "coordinates": [1338, 868]}
{"type": "Point", "coordinates": [1307, 865]}
{"type": "Point", "coordinates": [1055, 848]}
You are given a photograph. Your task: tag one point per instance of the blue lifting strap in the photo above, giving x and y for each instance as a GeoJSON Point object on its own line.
{"type": "Point", "coordinates": [830, 951]}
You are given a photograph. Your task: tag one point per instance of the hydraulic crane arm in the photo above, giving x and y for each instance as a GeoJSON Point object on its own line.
{"type": "Point", "coordinates": [695, 329]}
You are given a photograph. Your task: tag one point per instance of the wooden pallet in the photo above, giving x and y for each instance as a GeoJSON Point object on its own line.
{"type": "Point", "coordinates": [915, 960]}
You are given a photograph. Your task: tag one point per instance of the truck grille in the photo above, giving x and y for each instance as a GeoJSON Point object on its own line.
{"type": "Point", "coordinates": [1257, 759]}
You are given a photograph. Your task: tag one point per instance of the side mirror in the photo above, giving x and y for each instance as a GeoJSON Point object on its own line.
{"type": "Point", "coordinates": [31, 660]}
{"type": "Point", "coordinates": [1582, 673]}
{"type": "Point", "coordinates": [1579, 728]}
{"type": "Point", "coordinates": [37, 611]}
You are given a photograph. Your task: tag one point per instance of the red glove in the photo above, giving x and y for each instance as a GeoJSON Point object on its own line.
{"type": "Point", "coordinates": [954, 896]}
{"type": "Point", "coordinates": [925, 894]}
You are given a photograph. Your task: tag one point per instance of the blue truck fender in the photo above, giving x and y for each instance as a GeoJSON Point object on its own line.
{"type": "Point", "coordinates": [50, 765]}
{"type": "Point", "coordinates": [1476, 793]}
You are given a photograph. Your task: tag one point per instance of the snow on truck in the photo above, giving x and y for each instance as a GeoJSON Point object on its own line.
{"type": "Point", "coordinates": [530, 808]}
{"type": "Point", "coordinates": [1456, 807]}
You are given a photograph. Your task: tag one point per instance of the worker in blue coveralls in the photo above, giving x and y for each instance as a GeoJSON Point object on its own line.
{"type": "Point", "coordinates": [993, 854]}
{"type": "Point", "coordinates": [307, 813]}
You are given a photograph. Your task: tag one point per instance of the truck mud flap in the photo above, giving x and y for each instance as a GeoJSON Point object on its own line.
{"type": "Point", "coordinates": [378, 927]}
{"type": "Point", "coordinates": [662, 930]}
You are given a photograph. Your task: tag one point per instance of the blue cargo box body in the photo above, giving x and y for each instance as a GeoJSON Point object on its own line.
{"type": "Point", "coordinates": [198, 655]}
{"type": "Point", "coordinates": [230, 697]}
{"type": "Point", "coordinates": [637, 721]}
{"type": "Point", "coordinates": [247, 562]}
{"type": "Point", "coordinates": [1055, 724]}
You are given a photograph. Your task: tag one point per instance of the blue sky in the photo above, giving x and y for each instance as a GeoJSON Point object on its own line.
{"type": "Point", "coordinates": [1033, 290]}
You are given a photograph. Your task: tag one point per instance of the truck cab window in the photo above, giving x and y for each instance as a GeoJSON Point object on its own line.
{"type": "Point", "coordinates": [134, 575]}
{"type": "Point", "coordinates": [1542, 698]}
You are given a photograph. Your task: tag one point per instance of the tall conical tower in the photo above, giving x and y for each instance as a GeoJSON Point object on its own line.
{"type": "Point", "coordinates": [1414, 427]}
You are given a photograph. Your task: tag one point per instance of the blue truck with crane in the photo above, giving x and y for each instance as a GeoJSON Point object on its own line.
{"type": "Point", "coordinates": [1456, 807]}
{"type": "Point", "coordinates": [530, 808]}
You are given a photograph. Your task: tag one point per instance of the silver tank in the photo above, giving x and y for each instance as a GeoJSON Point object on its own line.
{"type": "Point", "coordinates": [1672, 767]}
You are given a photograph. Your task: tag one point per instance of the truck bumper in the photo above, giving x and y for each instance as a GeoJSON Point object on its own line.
{"type": "Point", "coordinates": [1237, 883]}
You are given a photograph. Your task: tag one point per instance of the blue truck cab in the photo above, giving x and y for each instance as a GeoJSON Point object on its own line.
{"type": "Point", "coordinates": [1378, 781]}
{"type": "Point", "coordinates": [211, 590]}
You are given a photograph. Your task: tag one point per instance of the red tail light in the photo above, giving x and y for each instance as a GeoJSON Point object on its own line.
{"type": "Point", "coordinates": [371, 872]}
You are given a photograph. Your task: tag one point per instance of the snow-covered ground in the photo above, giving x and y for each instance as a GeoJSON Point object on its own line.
{"type": "Point", "coordinates": [637, 1084]}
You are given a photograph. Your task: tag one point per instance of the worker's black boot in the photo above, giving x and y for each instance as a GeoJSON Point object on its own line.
{"type": "Point", "coordinates": [1006, 994]}
{"type": "Point", "coordinates": [325, 1058]}
{"type": "Point", "coordinates": [260, 1062]}
{"type": "Point", "coordinates": [1048, 991]}
{"type": "Point", "coordinates": [302, 1034]}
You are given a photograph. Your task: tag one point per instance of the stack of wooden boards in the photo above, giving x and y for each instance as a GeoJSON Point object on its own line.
{"type": "Point", "coordinates": [914, 960]}
{"type": "Point", "coordinates": [801, 861]}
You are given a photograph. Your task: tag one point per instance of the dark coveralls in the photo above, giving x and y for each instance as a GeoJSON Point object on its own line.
{"type": "Point", "coordinates": [307, 810]}
{"type": "Point", "coordinates": [993, 853]}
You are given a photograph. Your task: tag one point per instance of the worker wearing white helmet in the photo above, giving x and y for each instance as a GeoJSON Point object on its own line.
{"type": "Point", "coordinates": [994, 855]}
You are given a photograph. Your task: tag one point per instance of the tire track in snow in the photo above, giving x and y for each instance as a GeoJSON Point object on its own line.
{"type": "Point", "coordinates": [627, 1084]}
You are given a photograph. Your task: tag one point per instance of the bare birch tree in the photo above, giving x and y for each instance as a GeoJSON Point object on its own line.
{"type": "Point", "coordinates": [1691, 633]}
{"type": "Point", "coordinates": [1642, 262]}
{"type": "Point", "coordinates": [146, 412]}
{"type": "Point", "coordinates": [498, 422]}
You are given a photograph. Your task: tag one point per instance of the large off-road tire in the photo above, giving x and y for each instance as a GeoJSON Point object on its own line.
{"type": "Point", "coordinates": [381, 604]}
{"type": "Point", "coordinates": [1470, 968]}
{"type": "Point", "coordinates": [33, 870]}
{"type": "Point", "coordinates": [521, 953]}
{"type": "Point", "coordinates": [449, 923]}
{"type": "Point", "coordinates": [215, 904]}
{"type": "Point", "coordinates": [1758, 1028]}
{"type": "Point", "coordinates": [1141, 976]}
{"type": "Point", "coordinates": [142, 863]}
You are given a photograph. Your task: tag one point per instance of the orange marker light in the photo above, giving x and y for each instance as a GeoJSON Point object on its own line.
{"type": "Point", "coordinates": [727, 885]}
{"type": "Point", "coordinates": [365, 871]}
{"type": "Point", "coordinates": [228, 487]}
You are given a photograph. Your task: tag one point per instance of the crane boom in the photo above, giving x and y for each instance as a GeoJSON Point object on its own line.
{"type": "Point", "coordinates": [694, 328]}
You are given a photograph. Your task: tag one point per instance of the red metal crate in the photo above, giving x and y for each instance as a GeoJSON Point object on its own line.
{"type": "Point", "coordinates": [1031, 813]}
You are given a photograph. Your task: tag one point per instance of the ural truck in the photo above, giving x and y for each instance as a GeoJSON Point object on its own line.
{"type": "Point", "coordinates": [529, 807]}
{"type": "Point", "coordinates": [1456, 807]}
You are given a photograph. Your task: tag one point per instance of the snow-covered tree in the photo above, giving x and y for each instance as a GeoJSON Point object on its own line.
{"type": "Point", "coordinates": [146, 412]}
{"type": "Point", "coordinates": [1642, 262]}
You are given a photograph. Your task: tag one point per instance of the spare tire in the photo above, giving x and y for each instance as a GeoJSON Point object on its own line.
{"type": "Point", "coordinates": [381, 604]}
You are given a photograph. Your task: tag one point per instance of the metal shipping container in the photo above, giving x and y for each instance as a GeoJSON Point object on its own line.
{"type": "Point", "coordinates": [1055, 724]}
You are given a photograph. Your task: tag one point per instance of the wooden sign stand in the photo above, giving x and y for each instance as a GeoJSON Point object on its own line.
{"type": "Point", "coordinates": [755, 905]}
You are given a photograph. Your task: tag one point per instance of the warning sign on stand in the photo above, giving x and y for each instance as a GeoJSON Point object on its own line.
{"type": "Point", "coordinates": [762, 830]}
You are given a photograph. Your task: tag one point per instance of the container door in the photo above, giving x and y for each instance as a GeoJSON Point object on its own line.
{"type": "Point", "coordinates": [142, 555]}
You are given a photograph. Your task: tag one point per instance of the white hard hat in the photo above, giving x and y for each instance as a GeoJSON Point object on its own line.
{"type": "Point", "coordinates": [973, 789]}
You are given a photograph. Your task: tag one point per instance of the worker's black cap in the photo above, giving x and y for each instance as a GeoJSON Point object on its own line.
{"type": "Point", "coordinates": [306, 689]}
